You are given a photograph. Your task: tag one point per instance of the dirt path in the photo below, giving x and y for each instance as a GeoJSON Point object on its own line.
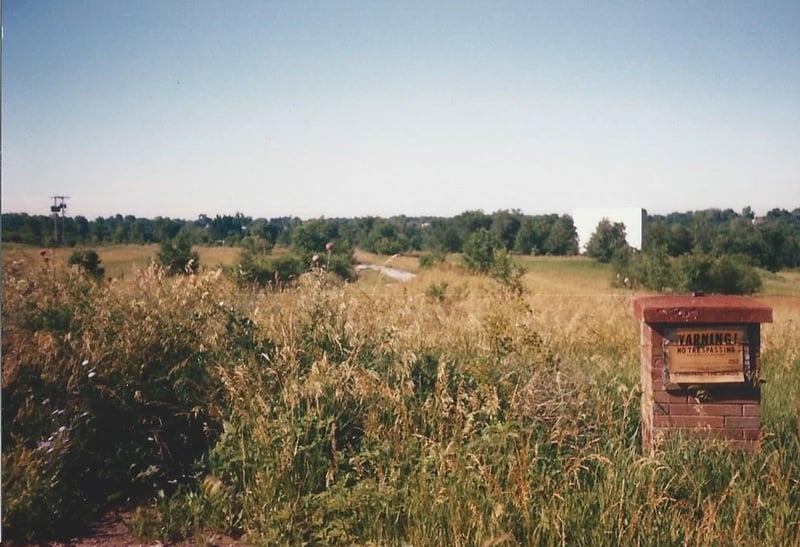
{"type": "Point", "coordinates": [394, 273]}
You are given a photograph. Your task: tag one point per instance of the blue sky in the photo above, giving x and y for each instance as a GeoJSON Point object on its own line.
{"type": "Point", "coordinates": [176, 108]}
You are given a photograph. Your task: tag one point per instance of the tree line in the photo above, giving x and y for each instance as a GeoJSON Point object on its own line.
{"type": "Point", "coordinates": [771, 242]}
{"type": "Point", "coordinates": [710, 251]}
{"type": "Point", "coordinates": [525, 234]}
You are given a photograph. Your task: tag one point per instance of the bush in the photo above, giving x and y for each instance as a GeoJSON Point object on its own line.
{"type": "Point", "coordinates": [87, 260]}
{"type": "Point", "coordinates": [697, 272]}
{"type": "Point", "coordinates": [724, 275]}
{"type": "Point", "coordinates": [479, 251]}
{"type": "Point", "coordinates": [275, 271]}
{"type": "Point", "coordinates": [432, 259]}
{"type": "Point", "coordinates": [651, 268]}
{"type": "Point", "coordinates": [177, 256]}
{"type": "Point", "coordinates": [506, 272]}
{"type": "Point", "coordinates": [110, 391]}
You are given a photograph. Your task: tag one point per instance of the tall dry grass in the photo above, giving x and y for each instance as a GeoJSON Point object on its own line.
{"type": "Point", "coordinates": [447, 410]}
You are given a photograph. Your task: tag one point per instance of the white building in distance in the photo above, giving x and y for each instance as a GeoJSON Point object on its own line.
{"type": "Point", "coordinates": [586, 221]}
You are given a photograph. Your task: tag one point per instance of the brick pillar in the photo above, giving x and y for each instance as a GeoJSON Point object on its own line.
{"type": "Point", "coordinates": [729, 410]}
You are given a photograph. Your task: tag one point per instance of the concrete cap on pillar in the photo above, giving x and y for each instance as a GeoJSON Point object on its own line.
{"type": "Point", "coordinates": [701, 309]}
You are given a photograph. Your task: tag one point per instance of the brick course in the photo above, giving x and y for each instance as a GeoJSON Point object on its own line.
{"type": "Point", "coordinates": [728, 412]}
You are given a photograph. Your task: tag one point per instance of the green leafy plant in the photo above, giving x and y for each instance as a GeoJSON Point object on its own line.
{"type": "Point", "coordinates": [479, 251]}
{"type": "Point", "coordinates": [88, 261]}
{"type": "Point", "coordinates": [177, 257]}
{"type": "Point", "coordinates": [723, 275]}
{"type": "Point", "coordinates": [607, 242]}
{"type": "Point", "coordinates": [432, 259]}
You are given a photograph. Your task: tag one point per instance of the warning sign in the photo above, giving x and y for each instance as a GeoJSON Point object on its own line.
{"type": "Point", "coordinates": [706, 356]}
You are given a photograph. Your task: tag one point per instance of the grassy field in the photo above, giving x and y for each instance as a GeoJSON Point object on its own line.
{"type": "Point", "coordinates": [121, 260]}
{"type": "Point", "coordinates": [449, 410]}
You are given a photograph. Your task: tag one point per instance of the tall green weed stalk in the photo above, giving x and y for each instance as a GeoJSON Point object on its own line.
{"type": "Point", "coordinates": [343, 414]}
{"type": "Point", "coordinates": [110, 391]}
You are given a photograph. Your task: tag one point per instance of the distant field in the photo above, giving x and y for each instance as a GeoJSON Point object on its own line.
{"type": "Point", "coordinates": [572, 275]}
{"type": "Point", "coordinates": [124, 259]}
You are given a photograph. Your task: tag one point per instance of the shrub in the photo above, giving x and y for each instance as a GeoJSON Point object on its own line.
{"type": "Point", "coordinates": [651, 268]}
{"type": "Point", "coordinates": [275, 271]}
{"type": "Point", "coordinates": [110, 391]}
{"type": "Point", "coordinates": [432, 259]}
{"type": "Point", "coordinates": [177, 256]}
{"type": "Point", "coordinates": [692, 273]}
{"type": "Point", "coordinates": [506, 272]}
{"type": "Point", "coordinates": [87, 260]}
{"type": "Point", "coordinates": [724, 275]}
{"type": "Point", "coordinates": [479, 251]}
{"type": "Point", "coordinates": [437, 291]}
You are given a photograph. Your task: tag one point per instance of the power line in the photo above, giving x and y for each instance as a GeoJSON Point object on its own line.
{"type": "Point", "coordinates": [58, 207]}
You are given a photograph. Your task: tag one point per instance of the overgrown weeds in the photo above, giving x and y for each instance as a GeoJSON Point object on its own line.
{"type": "Point", "coordinates": [449, 410]}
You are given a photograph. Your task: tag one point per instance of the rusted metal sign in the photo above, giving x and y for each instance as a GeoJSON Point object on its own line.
{"type": "Point", "coordinates": [710, 355]}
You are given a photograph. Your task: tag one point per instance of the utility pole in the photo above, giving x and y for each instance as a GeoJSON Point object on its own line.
{"type": "Point", "coordinates": [59, 206]}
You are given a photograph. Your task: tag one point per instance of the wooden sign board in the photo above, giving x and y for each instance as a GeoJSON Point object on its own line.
{"type": "Point", "coordinates": [706, 355]}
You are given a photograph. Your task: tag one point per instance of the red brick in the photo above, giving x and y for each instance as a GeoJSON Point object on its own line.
{"type": "Point", "coordinates": [711, 433]}
{"type": "Point", "coordinates": [694, 409]}
{"type": "Point", "coordinates": [701, 309]}
{"type": "Point", "coordinates": [657, 374]}
{"type": "Point", "coordinates": [669, 397]}
{"type": "Point", "coordinates": [657, 350]}
{"type": "Point", "coordinates": [654, 338]}
{"type": "Point", "coordinates": [751, 434]}
{"type": "Point", "coordinates": [743, 423]}
{"type": "Point", "coordinates": [688, 421]}
{"type": "Point", "coordinates": [740, 394]}
{"type": "Point", "coordinates": [660, 409]}
{"type": "Point", "coordinates": [751, 410]}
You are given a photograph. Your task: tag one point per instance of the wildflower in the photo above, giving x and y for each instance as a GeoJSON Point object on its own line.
{"type": "Point", "coordinates": [329, 246]}
{"type": "Point", "coordinates": [92, 373]}
{"type": "Point", "coordinates": [85, 362]}
{"type": "Point", "coordinates": [315, 259]}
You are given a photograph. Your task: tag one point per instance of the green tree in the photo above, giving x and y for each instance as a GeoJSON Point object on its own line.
{"type": "Point", "coordinates": [177, 257]}
{"type": "Point", "coordinates": [563, 237]}
{"type": "Point", "coordinates": [386, 237]}
{"type": "Point", "coordinates": [82, 228]}
{"type": "Point", "coordinates": [653, 269]}
{"type": "Point", "coordinates": [530, 236]}
{"type": "Point", "coordinates": [506, 224]}
{"type": "Point", "coordinates": [443, 234]}
{"type": "Point", "coordinates": [100, 230]}
{"type": "Point", "coordinates": [607, 241]}
{"type": "Point", "coordinates": [479, 251]}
